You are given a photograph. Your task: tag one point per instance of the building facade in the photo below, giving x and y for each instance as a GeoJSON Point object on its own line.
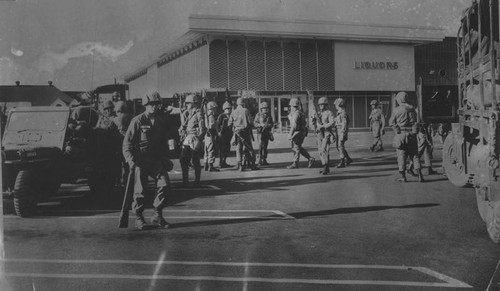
{"type": "Point", "coordinates": [276, 60]}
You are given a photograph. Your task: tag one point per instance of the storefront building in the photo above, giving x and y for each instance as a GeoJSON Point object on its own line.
{"type": "Point", "coordinates": [275, 60]}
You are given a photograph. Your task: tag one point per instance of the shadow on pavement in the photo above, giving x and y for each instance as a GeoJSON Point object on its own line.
{"type": "Point", "coordinates": [306, 214]}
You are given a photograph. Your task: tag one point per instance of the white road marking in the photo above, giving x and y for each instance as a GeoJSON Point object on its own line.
{"type": "Point", "coordinates": [448, 282]}
{"type": "Point", "coordinates": [49, 203]}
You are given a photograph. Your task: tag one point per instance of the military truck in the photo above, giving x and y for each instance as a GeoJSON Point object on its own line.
{"type": "Point", "coordinates": [471, 151]}
{"type": "Point", "coordinates": [43, 147]}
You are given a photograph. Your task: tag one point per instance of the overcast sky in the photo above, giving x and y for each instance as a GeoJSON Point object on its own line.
{"type": "Point", "coordinates": [80, 44]}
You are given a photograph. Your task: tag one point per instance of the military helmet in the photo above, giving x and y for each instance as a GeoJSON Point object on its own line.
{"type": "Point", "coordinates": [121, 106]}
{"type": "Point", "coordinates": [339, 102]}
{"type": "Point", "coordinates": [323, 100]}
{"type": "Point", "coordinates": [115, 95]}
{"type": "Point", "coordinates": [294, 102]}
{"type": "Point", "coordinates": [107, 104]}
{"type": "Point", "coordinates": [151, 98]}
{"type": "Point", "coordinates": [191, 98]}
{"type": "Point", "coordinates": [402, 97]}
{"type": "Point", "coordinates": [374, 102]}
{"type": "Point", "coordinates": [211, 105]}
{"type": "Point", "coordinates": [240, 101]}
{"type": "Point", "coordinates": [227, 105]}
{"type": "Point", "coordinates": [264, 105]}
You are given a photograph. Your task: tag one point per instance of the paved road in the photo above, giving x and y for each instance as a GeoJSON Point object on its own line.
{"type": "Point", "coordinates": [272, 229]}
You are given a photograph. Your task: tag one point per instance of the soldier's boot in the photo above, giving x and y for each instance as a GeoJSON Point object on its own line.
{"type": "Point", "coordinates": [294, 165]}
{"type": "Point", "coordinates": [211, 168]}
{"type": "Point", "coordinates": [185, 178]}
{"type": "Point", "coordinates": [380, 149]}
{"type": "Point", "coordinates": [431, 171]}
{"type": "Point", "coordinates": [140, 222]}
{"type": "Point", "coordinates": [243, 165]}
{"type": "Point", "coordinates": [310, 164]}
{"type": "Point", "coordinates": [326, 170]}
{"type": "Point", "coordinates": [264, 162]}
{"type": "Point", "coordinates": [253, 167]}
{"type": "Point", "coordinates": [411, 172]}
{"type": "Point", "coordinates": [420, 176]}
{"type": "Point", "coordinates": [260, 162]}
{"type": "Point", "coordinates": [197, 174]}
{"type": "Point", "coordinates": [342, 163]}
{"type": "Point", "coordinates": [403, 177]}
{"type": "Point", "coordinates": [372, 147]}
{"type": "Point", "coordinates": [206, 166]}
{"type": "Point", "coordinates": [348, 159]}
{"type": "Point", "coordinates": [238, 166]}
{"type": "Point", "coordinates": [158, 219]}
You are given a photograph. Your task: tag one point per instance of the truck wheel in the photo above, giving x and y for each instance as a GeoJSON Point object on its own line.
{"type": "Point", "coordinates": [25, 198]}
{"type": "Point", "coordinates": [489, 209]}
{"type": "Point", "coordinates": [453, 166]}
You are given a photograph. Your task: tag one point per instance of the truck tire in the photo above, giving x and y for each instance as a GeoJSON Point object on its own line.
{"type": "Point", "coordinates": [25, 198]}
{"type": "Point", "coordinates": [453, 166]}
{"type": "Point", "coordinates": [490, 211]}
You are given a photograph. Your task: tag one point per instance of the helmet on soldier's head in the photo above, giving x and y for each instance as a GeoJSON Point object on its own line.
{"type": "Point", "coordinates": [211, 105]}
{"type": "Point", "coordinates": [151, 98]}
{"type": "Point", "coordinates": [294, 102]}
{"type": "Point", "coordinates": [108, 104]}
{"type": "Point", "coordinates": [402, 97]}
{"type": "Point", "coordinates": [339, 102]}
{"type": "Point", "coordinates": [323, 100]}
{"type": "Point", "coordinates": [264, 105]}
{"type": "Point", "coordinates": [191, 98]}
{"type": "Point", "coordinates": [374, 102]}
{"type": "Point", "coordinates": [240, 101]}
{"type": "Point", "coordinates": [115, 96]}
{"type": "Point", "coordinates": [121, 107]}
{"type": "Point", "coordinates": [227, 105]}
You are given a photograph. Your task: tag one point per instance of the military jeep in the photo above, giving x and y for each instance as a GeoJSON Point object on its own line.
{"type": "Point", "coordinates": [40, 151]}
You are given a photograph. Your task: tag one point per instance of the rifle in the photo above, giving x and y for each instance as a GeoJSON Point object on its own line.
{"type": "Point", "coordinates": [127, 200]}
{"type": "Point", "coordinates": [321, 133]}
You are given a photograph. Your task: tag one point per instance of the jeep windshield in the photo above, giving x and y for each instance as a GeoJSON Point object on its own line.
{"type": "Point", "coordinates": [36, 121]}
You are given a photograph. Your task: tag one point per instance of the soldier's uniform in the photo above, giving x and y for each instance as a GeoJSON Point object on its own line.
{"type": "Point", "coordinates": [425, 146]}
{"type": "Point", "coordinates": [324, 127]}
{"type": "Point", "coordinates": [191, 130]}
{"type": "Point", "coordinates": [404, 122]}
{"type": "Point", "coordinates": [342, 123]}
{"type": "Point", "coordinates": [210, 137]}
{"type": "Point", "coordinates": [298, 131]}
{"type": "Point", "coordinates": [122, 122]}
{"type": "Point", "coordinates": [241, 122]}
{"type": "Point", "coordinates": [145, 148]}
{"type": "Point", "coordinates": [264, 123]}
{"type": "Point", "coordinates": [225, 134]}
{"type": "Point", "coordinates": [377, 125]}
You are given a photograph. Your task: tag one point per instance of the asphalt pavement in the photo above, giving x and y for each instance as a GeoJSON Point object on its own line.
{"type": "Point", "coordinates": [270, 229]}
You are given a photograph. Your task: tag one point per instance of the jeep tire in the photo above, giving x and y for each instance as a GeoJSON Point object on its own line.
{"type": "Point", "coordinates": [25, 197]}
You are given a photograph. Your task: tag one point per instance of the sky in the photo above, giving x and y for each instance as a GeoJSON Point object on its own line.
{"type": "Point", "coordinates": [81, 44]}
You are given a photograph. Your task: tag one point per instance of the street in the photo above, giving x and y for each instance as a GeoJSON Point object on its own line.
{"type": "Point", "coordinates": [271, 229]}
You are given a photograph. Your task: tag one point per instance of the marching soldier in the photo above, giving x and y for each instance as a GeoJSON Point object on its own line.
{"type": "Point", "coordinates": [324, 124]}
{"type": "Point", "coordinates": [298, 131]}
{"type": "Point", "coordinates": [145, 149]}
{"type": "Point", "coordinates": [241, 122]}
{"type": "Point", "coordinates": [122, 122]}
{"type": "Point", "coordinates": [342, 124]}
{"type": "Point", "coordinates": [210, 137]}
{"type": "Point", "coordinates": [377, 125]}
{"type": "Point", "coordinates": [191, 130]}
{"type": "Point", "coordinates": [404, 123]}
{"type": "Point", "coordinates": [225, 134]}
{"type": "Point", "coordinates": [264, 124]}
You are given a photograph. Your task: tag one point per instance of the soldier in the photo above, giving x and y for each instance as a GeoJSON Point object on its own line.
{"type": "Point", "coordinates": [106, 117]}
{"type": "Point", "coordinates": [377, 125]}
{"type": "Point", "coordinates": [122, 122]}
{"type": "Point", "coordinates": [145, 148]}
{"type": "Point", "coordinates": [116, 97]}
{"type": "Point", "coordinates": [264, 123]}
{"type": "Point", "coordinates": [342, 124]}
{"type": "Point", "coordinates": [191, 130]}
{"type": "Point", "coordinates": [298, 131]}
{"type": "Point", "coordinates": [425, 146]}
{"type": "Point", "coordinates": [210, 137]}
{"type": "Point", "coordinates": [404, 123]}
{"type": "Point", "coordinates": [241, 122]}
{"type": "Point", "coordinates": [324, 124]}
{"type": "Point", "coordinates": [225, 134]}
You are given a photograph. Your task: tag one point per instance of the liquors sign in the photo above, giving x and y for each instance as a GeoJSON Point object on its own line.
{"type": "Point", "coordinates": [365, 65]}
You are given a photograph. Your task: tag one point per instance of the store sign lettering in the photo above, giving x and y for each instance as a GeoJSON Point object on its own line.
{"type": "Point", "coordinates": [358, 65]}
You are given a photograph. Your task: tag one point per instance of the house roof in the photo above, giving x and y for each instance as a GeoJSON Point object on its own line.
{"type": "Point", "coordinates": [36, 94]}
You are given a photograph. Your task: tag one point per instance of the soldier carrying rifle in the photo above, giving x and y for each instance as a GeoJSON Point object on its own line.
{"type": "Point", "coordinates": [298, 131]}
{"type": "Point", "coordinates": [264, 124]}
{"type": "Point", "coordinates": [241, 121]}
{"type": "Point", "coordinates": [324, 125]}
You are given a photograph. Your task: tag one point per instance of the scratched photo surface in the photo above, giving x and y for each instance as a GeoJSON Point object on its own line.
{"type": "Point", "coordinates": [271, 141]}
